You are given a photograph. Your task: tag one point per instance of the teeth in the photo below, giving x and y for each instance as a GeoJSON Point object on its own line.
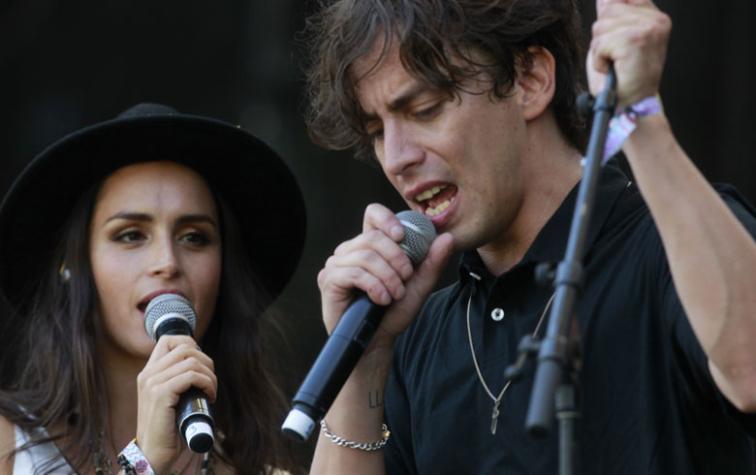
{"type": "Point", "coordinates": [429, 193]}
{"type": "Point", "coordinates": [438, 209]}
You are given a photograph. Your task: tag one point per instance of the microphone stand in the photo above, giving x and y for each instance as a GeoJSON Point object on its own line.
{"type": "Point", "coordinates": [554, 387]}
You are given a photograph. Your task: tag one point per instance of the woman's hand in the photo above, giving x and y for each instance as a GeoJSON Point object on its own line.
{"type": "Point", "coordinates": [175, 365]}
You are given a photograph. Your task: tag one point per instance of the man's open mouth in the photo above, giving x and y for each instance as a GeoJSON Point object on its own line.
{"type": "Point", "coordinates": [436, 199]}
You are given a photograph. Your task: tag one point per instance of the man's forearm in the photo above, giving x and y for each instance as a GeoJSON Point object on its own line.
{"type": "Point", "coordinates": [712, 257]}
{"type": "Point", "coordinates": [356, 415]}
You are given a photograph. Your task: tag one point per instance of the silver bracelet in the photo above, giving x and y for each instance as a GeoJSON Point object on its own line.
{"type": "Point", "coordinates": [366, 446]}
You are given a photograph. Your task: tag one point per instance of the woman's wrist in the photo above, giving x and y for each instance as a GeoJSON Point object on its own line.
{"type": "Point", "coordinates": [133, 461]}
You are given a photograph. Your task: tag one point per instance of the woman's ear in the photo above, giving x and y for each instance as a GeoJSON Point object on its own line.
{"type": "Point", "coordinates": [536, 82]}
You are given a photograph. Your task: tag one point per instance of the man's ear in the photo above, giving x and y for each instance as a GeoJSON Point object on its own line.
{"type": "Point", "coordinates": [536, 82]}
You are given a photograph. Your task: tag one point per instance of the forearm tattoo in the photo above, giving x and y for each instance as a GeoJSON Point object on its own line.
{"type": "Point", "coordinates": [375, 399]}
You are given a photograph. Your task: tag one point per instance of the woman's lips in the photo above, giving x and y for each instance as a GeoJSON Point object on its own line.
{"type": "Point", "coordinates": [142, 305]}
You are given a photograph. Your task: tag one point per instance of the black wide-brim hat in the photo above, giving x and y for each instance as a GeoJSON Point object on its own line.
{"type": "Point", "coordinates": [257, 185]}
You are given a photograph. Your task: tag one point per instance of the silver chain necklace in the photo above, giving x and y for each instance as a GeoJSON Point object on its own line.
{"type": "Point", "coordinates": [496, 399]}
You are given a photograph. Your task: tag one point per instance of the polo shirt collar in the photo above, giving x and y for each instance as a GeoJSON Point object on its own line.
{"type": "Point", "coordinates": [551, 242]}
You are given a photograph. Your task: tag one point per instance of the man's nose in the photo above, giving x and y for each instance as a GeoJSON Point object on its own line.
{"type": "Point", "coordinates": [401, 150]}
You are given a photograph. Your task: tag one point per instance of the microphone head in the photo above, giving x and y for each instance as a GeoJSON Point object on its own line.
{"type": "Point", "coordinates": [419, 234]}
{"type": "Point", "coordinates": [165, 307]}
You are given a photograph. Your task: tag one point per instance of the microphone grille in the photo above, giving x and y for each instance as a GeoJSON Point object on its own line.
{"type": "Point", "coordinates": [164, 304]}
{"type": "Point", "coordinates": [419, 234]}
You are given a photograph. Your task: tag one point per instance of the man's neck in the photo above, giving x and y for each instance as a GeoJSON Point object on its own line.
{"type": "Point", "coordinates": [552, 171]}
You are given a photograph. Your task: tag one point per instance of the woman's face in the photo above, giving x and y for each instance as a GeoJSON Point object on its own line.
{"type": "Point", "coordinates": [154, 230]}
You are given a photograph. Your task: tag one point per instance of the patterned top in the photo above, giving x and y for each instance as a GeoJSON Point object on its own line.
{"type": "Point", "coordinates": [27, 461]}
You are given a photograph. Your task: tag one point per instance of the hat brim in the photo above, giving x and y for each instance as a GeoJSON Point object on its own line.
{"type": "Point", "coordinates": [257, 185]}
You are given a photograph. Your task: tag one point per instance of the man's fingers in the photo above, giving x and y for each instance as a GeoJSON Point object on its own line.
{"type": "Point", "coordinates": [625, 17]}
{"type": "Point", "coordinates": [612, 46]}
{"type": "Point", "coordinates": [601, 5]}
{"type": "Point", "coordinates": [370, 262]}
{"type": "Point", "coordinates": [379, 217]}
{"type": "Point", "coordinates": [604, 7]}
{"type": "Point", "coordinates": [377, 241]}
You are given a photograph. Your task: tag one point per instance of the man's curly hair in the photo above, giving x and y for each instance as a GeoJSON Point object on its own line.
{"type": "Point", "coordinates": [440, 43]}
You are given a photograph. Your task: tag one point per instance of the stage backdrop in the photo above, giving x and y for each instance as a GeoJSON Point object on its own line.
{"type": "Point", "coordinates": [64, 65]}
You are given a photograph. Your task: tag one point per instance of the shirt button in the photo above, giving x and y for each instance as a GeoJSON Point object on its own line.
{"type": "Point", "coordinates": [497, 314]}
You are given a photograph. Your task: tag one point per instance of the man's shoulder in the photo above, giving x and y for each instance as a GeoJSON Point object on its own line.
{"type": "Point", "coordinates": [631, 215]}
{"type": "Point", "coordinates": [632, 205]}
{"type": "Point", "coordinates": [738, 204]}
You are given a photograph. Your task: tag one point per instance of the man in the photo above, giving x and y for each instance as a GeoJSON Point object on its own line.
{"type": "Point", "coordinates": [468, 108]}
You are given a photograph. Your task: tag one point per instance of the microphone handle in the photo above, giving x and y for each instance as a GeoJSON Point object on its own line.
{"type": "Point", "coordinates": [339, 356]}
{"type": "Point", "coordinates": [194, 418]}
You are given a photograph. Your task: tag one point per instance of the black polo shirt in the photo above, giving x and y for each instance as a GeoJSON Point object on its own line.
{"type": "Point", "coordinates": [648, 402]}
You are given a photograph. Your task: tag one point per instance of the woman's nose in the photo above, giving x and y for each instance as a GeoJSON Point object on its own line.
{"type": "Point", "coordinates": [164, 261]}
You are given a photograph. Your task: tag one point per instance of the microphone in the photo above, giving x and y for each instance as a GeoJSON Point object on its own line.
{"type": "Point", "coordinates": [349, 339]}
{"type": "Point", "coordinates": [171, 314]}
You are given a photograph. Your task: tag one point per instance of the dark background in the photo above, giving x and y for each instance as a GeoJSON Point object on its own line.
{"type": "Point", "coordinates": [67, 64]}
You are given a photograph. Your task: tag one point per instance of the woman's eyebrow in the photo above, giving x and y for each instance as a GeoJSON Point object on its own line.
{"type": "Point", "coordinates": [131, 216]}
{"type": "Point", "coordinates": [196, 218]}
{"type": "Point", "coordinates": [146, 217]}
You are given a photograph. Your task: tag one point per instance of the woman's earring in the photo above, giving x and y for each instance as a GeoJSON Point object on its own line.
{"type": "Point", "coordinates": [64, 272]}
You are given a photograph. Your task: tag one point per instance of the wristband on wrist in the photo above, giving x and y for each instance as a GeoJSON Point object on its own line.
{"type": "Point", "coordinates": [133, 462]}
{"type": "Point", "coordinates": [366, 446]}
{"type": "Point", "coordinates": [624, 122]}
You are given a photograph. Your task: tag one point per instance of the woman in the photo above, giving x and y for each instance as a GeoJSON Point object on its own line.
{"type": "Point", "coordinates": [98, 225]}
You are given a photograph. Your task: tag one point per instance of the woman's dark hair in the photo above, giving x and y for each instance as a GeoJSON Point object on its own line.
{"type": "Point", "coordinates": [440, 43]}
{"type": "Point", "coordinates": [250, 405]}
{"type": "Point", "coordinates": [57, 382]}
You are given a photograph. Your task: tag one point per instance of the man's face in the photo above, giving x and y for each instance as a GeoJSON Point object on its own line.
{"type": "Point", "coordinates": [458, 160]}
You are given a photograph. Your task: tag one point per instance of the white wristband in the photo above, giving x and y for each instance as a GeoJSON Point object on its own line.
{"type": "Point", "coordinates": [133, 462]}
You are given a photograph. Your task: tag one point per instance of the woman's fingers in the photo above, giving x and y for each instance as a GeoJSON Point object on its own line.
{"type": "Point", "coordinates": [171, 349]}
{"type": "Point", "coordinates": [173, 378]}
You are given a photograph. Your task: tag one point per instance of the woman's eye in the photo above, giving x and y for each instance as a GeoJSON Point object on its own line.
{"type": "Point", "coordinates": [195, 238]}
{"type": "Point", "coordinates": [129, 236]}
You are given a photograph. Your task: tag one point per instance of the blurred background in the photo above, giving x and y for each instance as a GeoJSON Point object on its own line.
{"type": "Point", "coordinates": [64, 65]}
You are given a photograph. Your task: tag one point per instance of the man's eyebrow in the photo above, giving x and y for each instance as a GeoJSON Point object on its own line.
{"type": "Point", "coordinates": [401, 101]}
{"type": "Point", "coordinates": [407, 96]}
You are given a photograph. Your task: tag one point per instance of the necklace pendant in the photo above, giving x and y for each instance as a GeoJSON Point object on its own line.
{"type": "Point", "coordinates": [495, 418]}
